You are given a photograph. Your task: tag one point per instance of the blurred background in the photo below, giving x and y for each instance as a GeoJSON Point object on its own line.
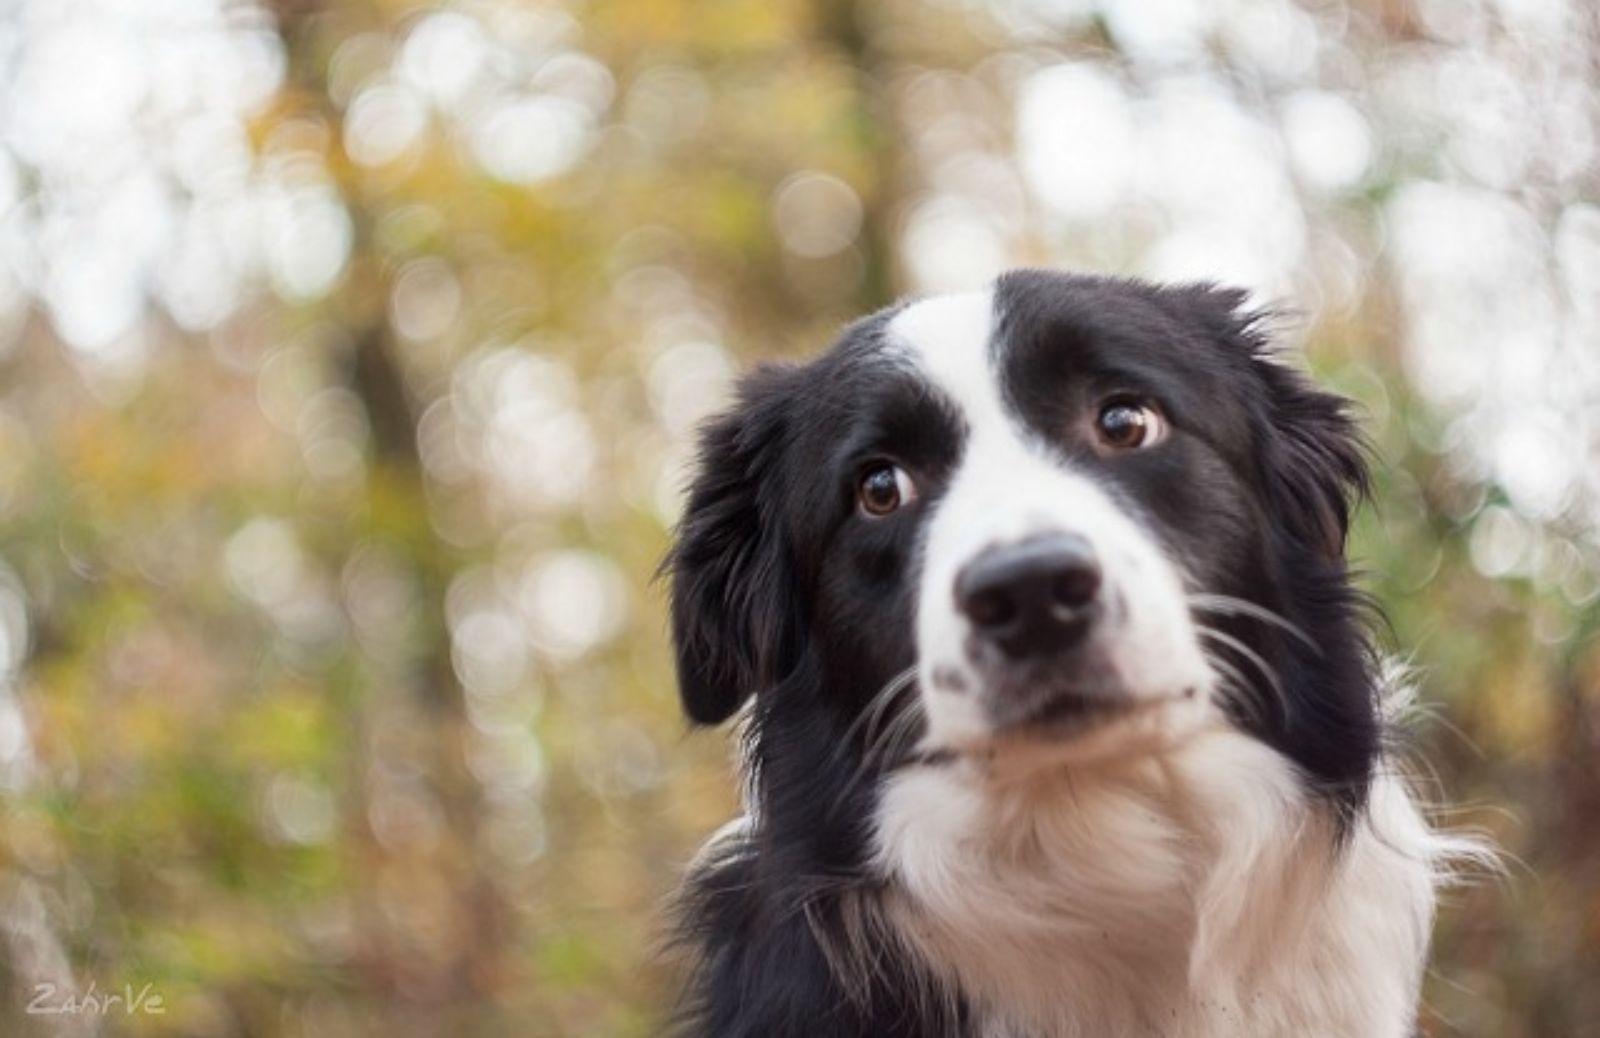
{"type": "Point", "coordinates": [350, 354]}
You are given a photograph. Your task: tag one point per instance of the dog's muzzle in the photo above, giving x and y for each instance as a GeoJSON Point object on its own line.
{"type": "Point", "coordinates": [1034, 599]}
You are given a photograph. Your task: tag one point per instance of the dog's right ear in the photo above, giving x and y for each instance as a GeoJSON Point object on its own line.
{"type": "Point", "coordinates": [735, 619]}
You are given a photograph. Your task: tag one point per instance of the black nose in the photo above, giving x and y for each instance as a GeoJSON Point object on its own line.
{"type": "Point", "coordinates": [1031, 598]}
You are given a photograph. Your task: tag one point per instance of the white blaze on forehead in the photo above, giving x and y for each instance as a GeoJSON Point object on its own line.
{"type": "Point", "coordinates": [948, 339]}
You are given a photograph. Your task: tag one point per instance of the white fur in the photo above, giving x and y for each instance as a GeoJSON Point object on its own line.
{"type": "Point", "coordinates": [1191, 894]}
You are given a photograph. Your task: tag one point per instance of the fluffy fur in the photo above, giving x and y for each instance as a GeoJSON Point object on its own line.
{"type": "Point", "coordinates": [1188, 825]}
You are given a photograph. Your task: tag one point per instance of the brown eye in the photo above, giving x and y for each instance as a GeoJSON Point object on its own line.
{"type": "Point", "coordinates": [883, 488]}
{"type": "Point", "coordinates": [1129, 424]}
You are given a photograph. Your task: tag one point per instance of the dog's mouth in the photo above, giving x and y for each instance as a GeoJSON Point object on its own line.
{"type": "Point", "coordinates": [1066, 709]}
{"type": "Point", "coordinates": [1058, 697]}
{"type": "Point", "coordinates": [1063, 713]}
{"type": "Point", "coordinates": [1078, 726]}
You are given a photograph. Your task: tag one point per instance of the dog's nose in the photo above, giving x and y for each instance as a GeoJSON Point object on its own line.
{"type": "Point", "coordinates": [1034, 597]}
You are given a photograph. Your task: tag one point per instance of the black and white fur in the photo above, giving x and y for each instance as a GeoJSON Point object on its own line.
{"type": "Point", "coordinates": [1188, 824]}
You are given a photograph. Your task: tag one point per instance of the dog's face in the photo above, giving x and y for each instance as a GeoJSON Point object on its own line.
{"type": "Point", "coordinates": [1073, 517]}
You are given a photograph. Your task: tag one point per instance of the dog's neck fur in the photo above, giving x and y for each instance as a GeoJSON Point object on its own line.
{"type": "Point", "coordinates": [1199, 894]}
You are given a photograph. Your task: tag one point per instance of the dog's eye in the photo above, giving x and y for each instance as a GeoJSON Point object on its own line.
{"type": "Point", "coordinates": [883, 488]}
{"type": "Point", "coordinates": [1128, 424]}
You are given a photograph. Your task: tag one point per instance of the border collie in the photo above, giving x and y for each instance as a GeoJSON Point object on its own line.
{"type": "Point", "coordinates": [1063, 715]}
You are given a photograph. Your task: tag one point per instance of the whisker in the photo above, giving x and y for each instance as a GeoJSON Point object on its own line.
{"type": "Point", "coordinates": [903, 682]}
{"type": "Point", "coordinates": [871, 715]}
{"type": "Point", "coordinates": [873, 712]}
{"type": "Point", "coordinates": [1228, 604]}
{"type": "Point", "coordinates": [879, 751]}
{"type": "Point", "coordinates": [1252, 656]}
{"type": "Point", "coordinates": [893, 735]}
{"type": "Point", "coordinates": [1235, 680]}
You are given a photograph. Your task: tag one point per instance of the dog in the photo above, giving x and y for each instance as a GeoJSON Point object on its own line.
{"type": "Point", "coordinates": [1060, 711]}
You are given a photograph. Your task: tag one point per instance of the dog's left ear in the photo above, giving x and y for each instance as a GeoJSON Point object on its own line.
{"type": "Point", "coordinates": [735, 615]}
{"type": "Point", "coordinates": [1313, 458]}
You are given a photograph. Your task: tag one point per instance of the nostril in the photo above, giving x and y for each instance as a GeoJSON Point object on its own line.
{"type": "Point", "coordinates": [991, 607]}
{"type": "Point", "coordinates": [1075, 587]}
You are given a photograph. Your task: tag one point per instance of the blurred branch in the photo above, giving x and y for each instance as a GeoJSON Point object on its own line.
{"type": "Point", "coordinates": [382, 390]}
{"type": "Point", "coordinates": [846, 25]}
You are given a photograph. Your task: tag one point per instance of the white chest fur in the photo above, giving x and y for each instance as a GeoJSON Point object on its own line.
{"type": "Point", "coordinates": [1193, 895]}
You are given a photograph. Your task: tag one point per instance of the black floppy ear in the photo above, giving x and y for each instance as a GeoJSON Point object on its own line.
{"type": "Point", "coordinates": [1313, 455]}
{"type": "Point", "coordinates": [1316, 464]}
{"type": "Point", "coordinates": [735, 619]}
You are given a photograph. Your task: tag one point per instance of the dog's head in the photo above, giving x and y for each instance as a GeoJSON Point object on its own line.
{"type": "Point", "coordinates": [1070, 517]}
